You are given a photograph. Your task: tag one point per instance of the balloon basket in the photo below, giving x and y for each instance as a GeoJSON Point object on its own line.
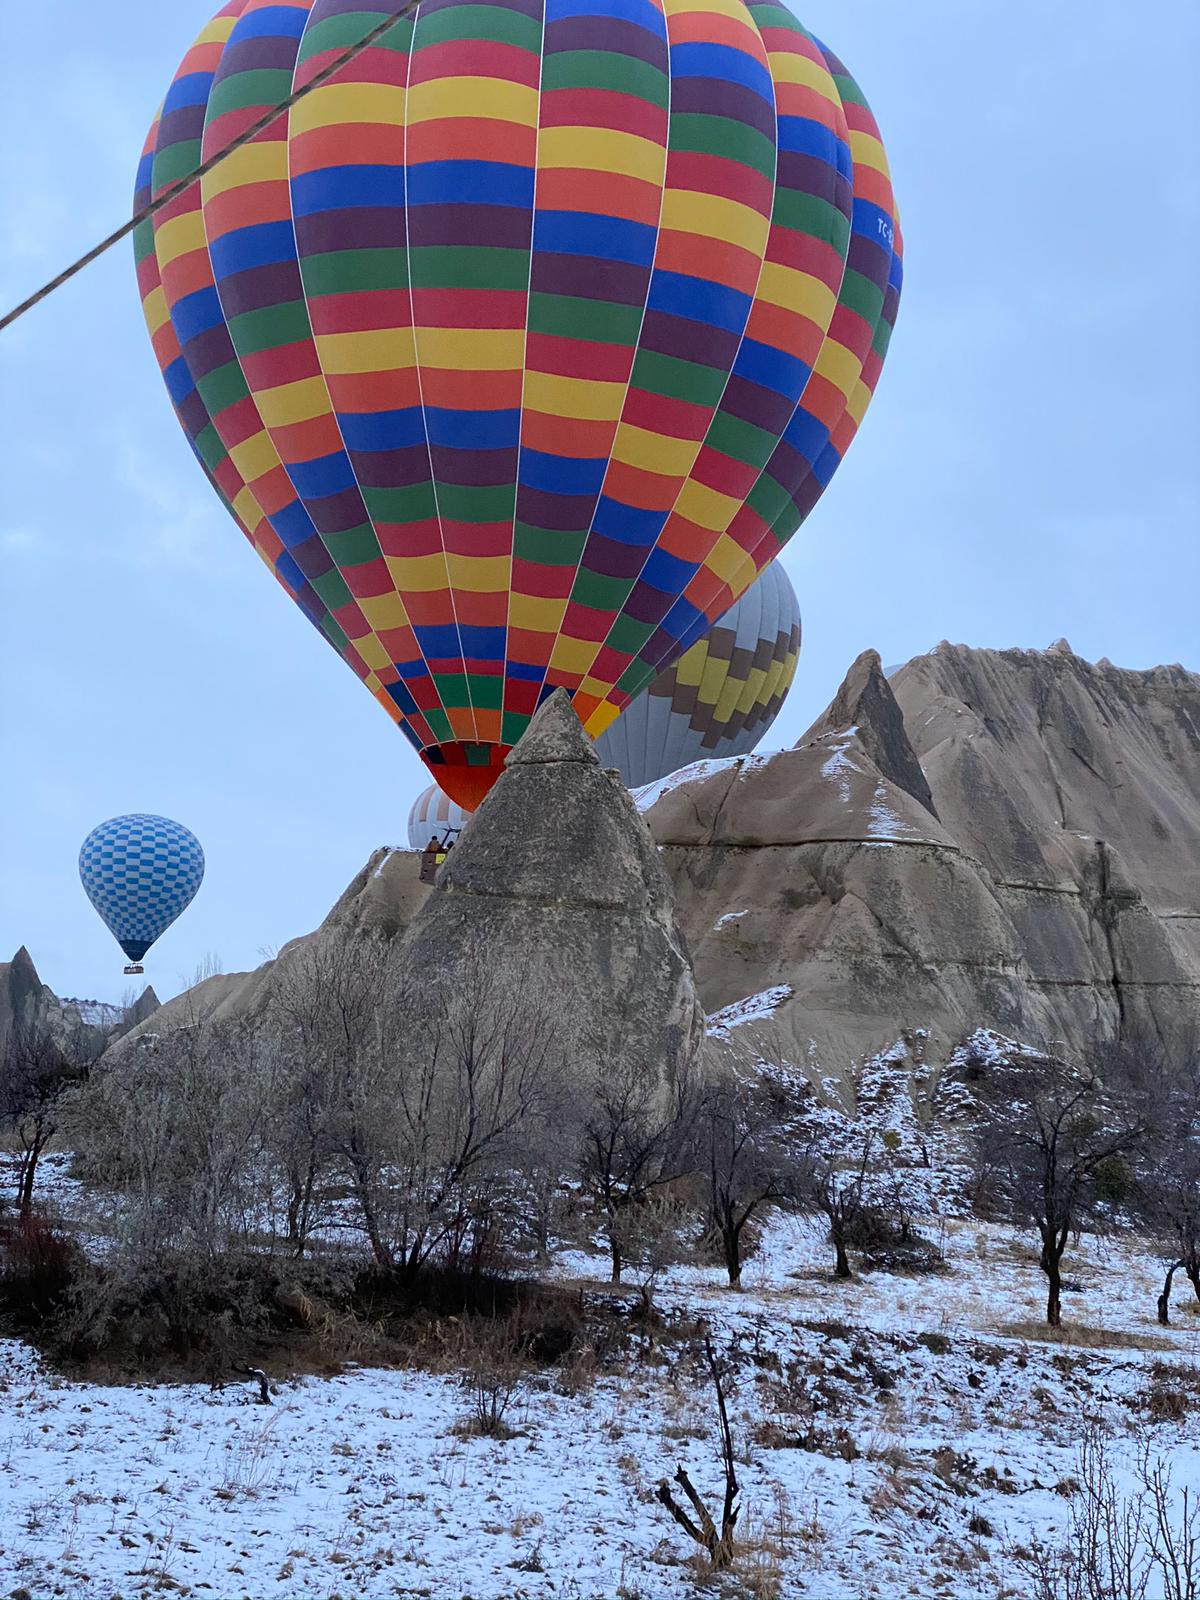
{"type": "Point", "coordinates": [134, 971]}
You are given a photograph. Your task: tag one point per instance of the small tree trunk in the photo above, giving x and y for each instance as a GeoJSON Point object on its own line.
{"type": "Point", "coordinates": [383, 1256]}
{"type": "Point", "coordinates": [1164, 1299]}
{"type": "Point", "coordinates": [28, 1174]}
{"type": "Point", "coordinates": [260, 1378]}
{"type": "Point", "coordinates": [733, 1255]}
{"type": "Point", "coordinates": [1054, 1292]}
{"type": "Point", "coordinates": [295, 1242]}
{"type": "Point", "coordinates": [617, 1260]}
{"type": "Point", "coordinates": [841, 1267]}
{"type": "Point", "coordinates": [304, 1214]}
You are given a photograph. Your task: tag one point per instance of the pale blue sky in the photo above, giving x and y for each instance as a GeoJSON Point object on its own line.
{"type": "Point", "coordinates": [1028, 468]}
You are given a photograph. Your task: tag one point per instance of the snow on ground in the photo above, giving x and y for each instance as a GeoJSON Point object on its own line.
{"type": "Point", "coordinates": [876, 1423]}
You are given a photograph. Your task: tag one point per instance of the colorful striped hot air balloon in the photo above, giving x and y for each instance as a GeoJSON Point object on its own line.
{"type": "Point", "coordinates": [520, 347]}
{"type": "Point", "coordinates": [720, 697]}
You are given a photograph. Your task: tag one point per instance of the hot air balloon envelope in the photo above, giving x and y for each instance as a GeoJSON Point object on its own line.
{"type": "Point", "coordinates": [720, 697]}
{"type": "Point", "coordinates": [523, 344]}
{"type": "Point", "coordinates": [434, 816]}
{"type": "Point", "coordinates": [140, 872]}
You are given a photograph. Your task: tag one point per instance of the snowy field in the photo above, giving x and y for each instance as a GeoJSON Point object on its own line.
{"type": "Point", "coordinates": [896, 1437]}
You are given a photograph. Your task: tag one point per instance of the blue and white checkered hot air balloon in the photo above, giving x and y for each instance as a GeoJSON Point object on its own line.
{"type": "Point", "coordinates": [140, 872]}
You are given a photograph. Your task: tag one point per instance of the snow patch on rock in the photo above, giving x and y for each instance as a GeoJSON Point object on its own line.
{"type": "Point", "coordinates": [727, 919]}
{"type": "Point", "coordinates": [754, 1008]}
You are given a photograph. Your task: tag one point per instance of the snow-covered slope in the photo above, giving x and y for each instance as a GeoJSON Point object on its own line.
{"type": "Point", "coordinates": [894, 1437]}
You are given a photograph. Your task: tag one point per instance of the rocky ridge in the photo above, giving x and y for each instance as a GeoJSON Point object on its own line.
{"type": "Point", "coordinates": [27, 1002]}
{"type": "Point", "coordinates": [1006, 840]}
{"type": "Point", "coordinates": [1049, 888]}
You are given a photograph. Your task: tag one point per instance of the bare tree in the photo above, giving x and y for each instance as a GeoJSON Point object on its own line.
{"type": "Point", "coordinates": [437, 1108]}
{"type": "Point", "coordinates": [36, 1069]}
{"type": "Point", "coordinates": [324, 1025]}
{"type": "Point", "coordinates": [638, 1137]}
{"type": "Point", "coordinates": [840, 1191]}
{"type": "Point", "coordinates": [747, 1164]}
{"type": "Point", "coordinates": [1168, 1191]}
{"type": "Point", "coordinates": [1050, 1139]}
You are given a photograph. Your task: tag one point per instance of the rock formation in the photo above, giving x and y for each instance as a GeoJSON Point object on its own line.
{"type": "Point", "coordinates": [24, 998]}
{"type": "Point", "coordinates": [1032, 754]}
{"type": "Point", "coordinates": [1049, 888]}
{"type": "Point", "coordinates": [866, 704]}
{"type": "Point", "coordinates": [556, 877]}
{"type": "Point", "coordinates": [89, 1025]}
{"type": "Point", "coordinates": [984, 839]}
{"type": "Point", "coordinates": [143, 1008]}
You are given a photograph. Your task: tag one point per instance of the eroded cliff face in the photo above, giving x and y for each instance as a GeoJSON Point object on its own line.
{"type": "Point", "coordinates": [989, 839]}
{"type": "Point", "coordinates": [556, 884]}
{"type": "Point", "coordinates": [1077, 784]}
{"type": "Point", "coordinates": [1001, 839]}
{"type": "Point", "coordinates": [1031, 753]}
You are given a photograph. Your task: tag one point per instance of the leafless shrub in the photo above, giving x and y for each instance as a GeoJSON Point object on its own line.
{"type": "Point", "coordinates": [1173, 1391]}
{"type": "Point", "coordinates": [796, 1408]}
{"type": "Point", "coordinates": [637, 1141]}
{"type": "Point", "coordinates": [700, 1527]}
{"type": "Point", "coordinates": [39, 1265]}
{"type": "Point", "coordinates": [1174, 1530]}
{"type": "Point", "coordinates": [175, 1132]}
{"type": "Point", "coordinates": [250, 1466]}
{"type": "Point", "coordinates": [1116, 1542]}
{"type": "Point", "coordinates": [492, 1375]}
{"type": "Point", "coordinates": [651, 1238]}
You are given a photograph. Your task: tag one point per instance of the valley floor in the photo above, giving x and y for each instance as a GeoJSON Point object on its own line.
{"type": "Point", "coordinates": [896, 1437]}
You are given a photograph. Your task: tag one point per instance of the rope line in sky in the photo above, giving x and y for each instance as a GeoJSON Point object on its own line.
{"type": "Point", "coordinates": [183, 184]}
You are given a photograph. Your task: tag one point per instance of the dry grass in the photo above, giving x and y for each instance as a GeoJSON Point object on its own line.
{"type": "Point", "coordinates": [767, 1551]}
{"type": "Point", "coordinates": [1077, 1336]}
{"type": "Point", "coordinates": [1174, 1391]}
